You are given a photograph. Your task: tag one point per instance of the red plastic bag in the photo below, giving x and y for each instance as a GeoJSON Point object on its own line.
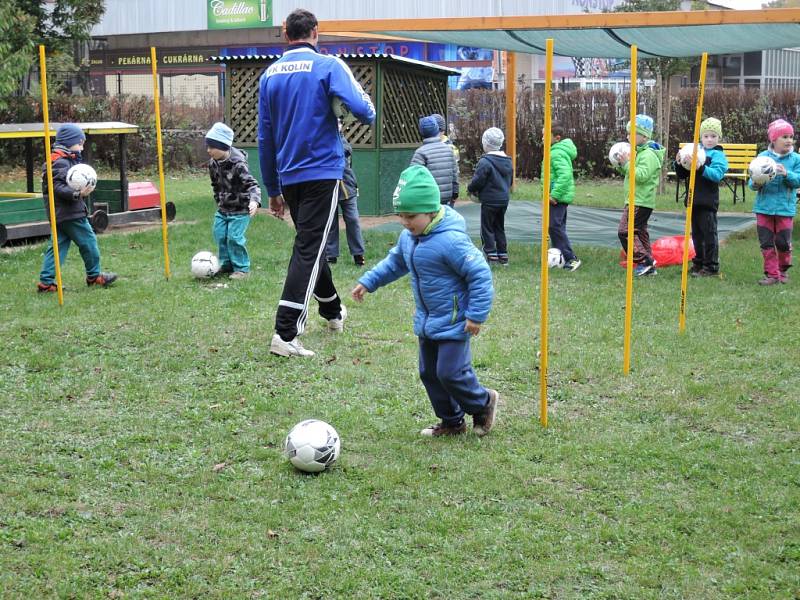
{"type": "Point", "coordinates": [666, 251]}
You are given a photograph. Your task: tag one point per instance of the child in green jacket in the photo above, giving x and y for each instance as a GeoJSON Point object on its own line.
{"type": "Point", "coordinates": [562, 191]}
{"type": "Point", "coordinates": [649, 160]}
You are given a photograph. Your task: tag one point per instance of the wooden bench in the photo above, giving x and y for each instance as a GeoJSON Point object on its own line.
{"type": "Point", "coordinates": [739, 157]}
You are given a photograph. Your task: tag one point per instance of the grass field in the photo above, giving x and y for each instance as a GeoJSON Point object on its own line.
{"type": "Point", "coordinates": [141, 431]}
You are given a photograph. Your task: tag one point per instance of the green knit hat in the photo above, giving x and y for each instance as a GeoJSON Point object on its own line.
{"type": "Point", "coordinates": [416, 191]}
{"type": "Point", "coordinates": [711, 125]}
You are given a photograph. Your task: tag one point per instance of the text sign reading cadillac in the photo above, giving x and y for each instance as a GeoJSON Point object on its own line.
{"type": "Point", "coordinates": [239, 14]}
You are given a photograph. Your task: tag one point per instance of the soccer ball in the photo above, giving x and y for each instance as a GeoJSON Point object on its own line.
{"type": "Point", "coordinates": [312, 446]}
{"type": "Point", "coordinates": [618, 151]}
{"type": "Point", "coordinates": [762, 169]}
{"type": "Point", "coordinates": [204, 265]}
{"type": "Point", "coordinates": [685, 156]}
{"type": "Point", "coordinates": [555, 258]}
{"type": "Point", "coordinates": [81, 177]}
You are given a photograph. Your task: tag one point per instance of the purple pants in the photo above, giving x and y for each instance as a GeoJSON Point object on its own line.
{"type": "Point", "coordinates": [775, 237]}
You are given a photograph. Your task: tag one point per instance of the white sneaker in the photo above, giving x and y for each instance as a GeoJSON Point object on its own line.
{"type": "Point", "coordinates": [337, 325]}
{"type": "Point", "coordinates": [292, 348]}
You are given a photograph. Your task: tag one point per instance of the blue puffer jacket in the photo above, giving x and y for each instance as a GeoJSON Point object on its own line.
{"type": "Point", "coordinates": [450, 278]}
{"type": "Point", "coordinates": [779, 196]}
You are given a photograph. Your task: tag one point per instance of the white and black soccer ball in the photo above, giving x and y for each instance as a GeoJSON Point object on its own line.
{"type": "Point", "coordinates": [204, 265]}
{"type": "Point", "coordinates": [762, 169]}
{"type": "Point", "coordinates": [81, 177]}
{"type": "Point", "coordinates": [555, 258]}
{"type": "Point", "coordinates": [312, 446]}
{"type": "Point", "coordinates": [619, 153]}
{"type": "Point", "coordinates": [685, 156]}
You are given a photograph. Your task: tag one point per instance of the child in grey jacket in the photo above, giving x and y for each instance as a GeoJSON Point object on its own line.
{"type": "Point", "coordinates": [237, 195]}
{"type": "Point", "coordinates": [439, 159]}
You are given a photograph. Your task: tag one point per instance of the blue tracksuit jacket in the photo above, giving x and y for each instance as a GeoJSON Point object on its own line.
{"type": "Point", "coordinates": [298, 137]}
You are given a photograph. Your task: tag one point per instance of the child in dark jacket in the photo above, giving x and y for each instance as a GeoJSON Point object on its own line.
{"type": "Point", "coordinates": [238, 197]}
{"type": "Point", "coordinates": [562, 191]}
{"type": "Point", "coordinates": [348, 202]}
{"type": "Point", "coordinates": [439, 159]}
{"type": "Point", "coordinates": [72, 224]}
{"type": "Point", "coordinates": [706, 200]}
{"type": "Point", "coordinates": [453, 292]}
{"type": "Point", "coordinates": [491, 183]}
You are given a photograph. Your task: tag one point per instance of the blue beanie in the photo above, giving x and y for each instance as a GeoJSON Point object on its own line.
{"type": "Point", "coordinates": [428, 128]}
{"type": "Point", "coordinates": [439, 121]}
{"type": "Point", "coordinates": [220, 136]}
{"type": "Point", "coordinates": [69, 134]}
{"type": "Point", "coordinates": [644, 126]}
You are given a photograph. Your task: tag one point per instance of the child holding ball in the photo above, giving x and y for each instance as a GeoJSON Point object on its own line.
{"type": "Point", "coordinates": [452, 286]}
{"type": "Point", "coordinates": [776, 204]}
{"type": "Point", "coordinates": [72, 224]}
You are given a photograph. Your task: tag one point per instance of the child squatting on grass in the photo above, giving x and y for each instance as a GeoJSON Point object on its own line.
{"type": "Point", "coordinates": [776, 204]}
{"type": "Point", "coordinates": [649, 160]}
{"type": "Point", "coordinates": [238, 197]}
{"type": "Point", "coordinates": [72, 224]}
{"type": "Point", "coordinates": [706, 200]}
{"type": "Point", "coordinates": [452, 286]}
{"type": "Point", "coordinates": [492, 184]}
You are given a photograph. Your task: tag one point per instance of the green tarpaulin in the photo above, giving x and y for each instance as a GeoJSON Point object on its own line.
{"type": "Point", "coordinates": [586, 226]}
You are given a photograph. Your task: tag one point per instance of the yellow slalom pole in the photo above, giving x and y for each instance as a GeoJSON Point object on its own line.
{"type": "Point", "coordinates": [690, 197]}
{"type": "Point", "coordinates": [160, 148]}
{"type": "Point", "coordinates": [545, 297]}
{"type": "Point", "coordinates": [626, 368]}
{"type": "Point", "coordinates": [50, 197]}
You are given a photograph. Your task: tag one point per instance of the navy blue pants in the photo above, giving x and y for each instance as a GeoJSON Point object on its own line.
{"type": "Point", "coordinates": [558, 231]}
{"type": "Point", "coordinates": [445, 368]}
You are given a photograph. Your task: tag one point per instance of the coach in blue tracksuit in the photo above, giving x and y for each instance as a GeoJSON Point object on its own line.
{"type": "Point", "coordinates": [302, 163]}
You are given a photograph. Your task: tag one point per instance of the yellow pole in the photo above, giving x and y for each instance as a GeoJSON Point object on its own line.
{"type": "Point", "coordinates": [511, 110]}
{"type": "Point", "coordinates": [626, 368]}
{"type": "Point", "coordinates": [50, 197]}
{"type": "Point", "coordinates": [160, 148]}
{"type": "Point", "coordinates": [690, 197]}
{"type": "Point", "coordinates": [545, 298]}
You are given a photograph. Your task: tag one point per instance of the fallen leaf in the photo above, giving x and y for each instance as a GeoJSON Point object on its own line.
{"type": "Point", "coordinates": [219, 466]}
{"type": "Point", "coordinates": [271, 534]}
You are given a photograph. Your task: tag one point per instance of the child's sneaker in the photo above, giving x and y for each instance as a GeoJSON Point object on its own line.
{"type": "Point", "coordinates": [572, 265]}
{"type": "Point", "coordinates": [503, 259]}
{"type": "Point", "coordinates": [44, 288]}
{"type": "Point", "coordinates": [483, 422]}
{"type": "Point", "coordinates": [440, 429]}
{"type": "Point", "coordinates": [290, 348]}
{"type": "Point", "coordinates": [103, 279]}
{"type": "Point", "coordinates": [358, 259]}
{"type": "Point", "coordinates": [337, 325]}
{"type": "Point", "coordinates": [644, 269]}
{"type": "Point", "coordinates": [768, 280]}
{"type": "Point", "coordinates": [239, 275]}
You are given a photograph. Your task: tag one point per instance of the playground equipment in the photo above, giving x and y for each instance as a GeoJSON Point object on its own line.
{"type": "Point", "coordinates": [114, 201]}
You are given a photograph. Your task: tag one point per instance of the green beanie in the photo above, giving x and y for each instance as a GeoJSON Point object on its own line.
{"type": "Point", "coordinates": [416, 191]}
{"type": "Point", "coordinates": [711, 125]}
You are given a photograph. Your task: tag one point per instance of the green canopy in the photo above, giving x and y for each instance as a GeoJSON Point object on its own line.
{"type": "Point", "coordinates": [604, 35]}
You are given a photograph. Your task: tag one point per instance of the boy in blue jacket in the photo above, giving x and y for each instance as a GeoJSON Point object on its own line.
{"type": "Point", "coordinates": [452, 286]}
{"type": "Point", "coordinates": [706, 200]}
{"type": "Point", "coordinates": [776, 204]}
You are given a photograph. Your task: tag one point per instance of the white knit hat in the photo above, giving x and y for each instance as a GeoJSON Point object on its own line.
{"type": "Point", "coordinates": [492, 139]}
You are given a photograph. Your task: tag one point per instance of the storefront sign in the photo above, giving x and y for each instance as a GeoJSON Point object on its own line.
{"type": "Point", "coordinates": [239, 14]}
{"type": "Point", "coordinates": [166, 58]}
